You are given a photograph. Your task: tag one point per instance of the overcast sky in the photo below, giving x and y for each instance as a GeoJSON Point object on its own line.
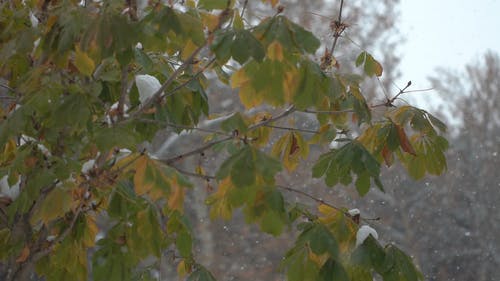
{"type": "Point", "coordinates": [445, 33]}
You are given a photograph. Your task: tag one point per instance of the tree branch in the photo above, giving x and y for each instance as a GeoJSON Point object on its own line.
{"type": "Point", "coordinates": [293, 129]}
{"type": "Point", "coordinates": [37, 256]}
{"type": "Point", "coordinates": [164, 86]}
{"type": "Point", "coordinates": [8, 88]}
{"type": "Point", "coordinates": [177, 126]}
{"type": "Point", "coordinates": [287, 188]}
{"type": "Point", "coordinates": [285, 113]}
{"type": "Point", "coordinates": [191, 79]}
{"type": "Point", "coordinates": [124, 92]}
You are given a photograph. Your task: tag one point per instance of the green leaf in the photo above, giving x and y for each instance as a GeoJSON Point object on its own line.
{"type": "Point", "coordinates": [371, 66]}
{"type": "Point", "coordinates": [84, 63]}
{"type": "Point", "coordinates": [333, 270]}
{"type": "Point", "coordinates": [272, 223]}
{"type": "Point", "coordinates": [244, 166]}
{"type": "Point", "coordinates": [403, 268]}
{"type": "Point", "coordinates": [143, 59]}
{"type": "Point", "coordinates": [339, 164]}
{"type": "Point", "coordinates": [184, 243]}
{"type": "Point", "coordinates": [55, 205]}
{"type": "Point", "coordinates": [117, 136]}
{"type": "Point", "coordinates": [290, 35]}
{"type": "Point", "coordinates": [235, 122]}
{"type": "Point", "coordinates": [245, 45]}
{"type": "Point", "coordinates": [201, 274]}
{"type": "Point", "coordinates": [312, 86]}
{"type": "Point", "coordinates": [212, 4]}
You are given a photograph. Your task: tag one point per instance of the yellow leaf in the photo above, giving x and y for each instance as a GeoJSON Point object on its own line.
{"type": "Point", "coordinates": [56, 204]}
{"type": "Point", "coordinates": [328, 214]}
{"type": "Point", "coordinates": [291, 147]}
{"type": "Point", "coordinates": [239, 78]}
{"type": "Point", "coordinates": [176, 197]}
{"type": "Point", "coordinates": [220, 207]}
{"type": "Point", "coordinates": [290, 84]}
{"type": "Point", "coordinates": [9, 152]}
{"type": "Point", "coordinates": [272, 2]}
{"type": "Point", "coordinates": [209, 20]}
{"type": "Point", "coordinates": [318, 259]}
{"type": "Point", "coordinates": [188, 50]}
{"type": "Point", "coordinates": [90, 231]}
{"type": "Point", "coordinates": [275, 51]}
{"type": "Point", "coordinates": [25, 253]}
{"type": "Point", "coordinates": [249, 97]}
{"type": "Point", "coordinates": [83, 62]}
{"type": "Point", "coordinates": [124, 164]}
{"type": "Point", "coordinates": [183, 268]}
{"type": "Point", "coordinates": [140, 185]}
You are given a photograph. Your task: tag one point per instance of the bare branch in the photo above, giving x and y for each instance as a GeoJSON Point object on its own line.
{"type": "Point", "coordinates": [124, 91]}
{"type": "Point", "coordinates": [338, 29]}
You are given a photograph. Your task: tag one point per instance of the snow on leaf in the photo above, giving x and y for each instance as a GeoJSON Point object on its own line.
{"type": "Point", "coordinates": [353, 212]}
{"type": "Point", "coordinates": [363, 233]}
{"type": "Point", "coordinates": [147, 86]}
{"type": "Point", "coordinates": [7, 190]}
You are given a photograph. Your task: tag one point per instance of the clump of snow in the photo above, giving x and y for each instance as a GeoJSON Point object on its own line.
{"type": "Point", "coordinates": [122, 153]}
{"type": "Point", "coordinates": [26, 139]}
{"type": "Point", "coordinates": [34, 20]}
{"type": "Point", "coordinates": [353, 212]}
{"type": "Point", "coordinates": [6, 190]}
{"type": "Point", "coordinates": [333, 144]}
{"type": "Point", "coordinates": [87, 166]}
{"type": "Point", "coordinates": [363, 233]}
{"type": "Point", "coordinates": [111, 116]}
{"type": "Point", "coordinates": [147, 86]}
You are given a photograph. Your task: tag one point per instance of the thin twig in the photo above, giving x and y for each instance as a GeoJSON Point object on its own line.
{"type": "Point", "coordinates": [421, 90]}
{"type": "Point", "coordinates": [285, 113]}
{"type": "Point", "coordinates": [190, 79]}
{"type": "Point", "coordinates": [184, 127]}
{"type": "Point", "coordinates": [305, 194]}
{"type": "Point", "coordinates": [402, 91]}
{"type": "Point", "coordinates": [321, 201]}
{"type": "Point", "coordinates": [244, 8]}
{"type": "Point", "coordinates": [196, 151]}
{"type": "Point", "coordinates": [327, 111]}
{"type": "Point", "coordinates": [293, 129]}
{"type": "Point", "coordinates": [337, 34]}
{"type": "Point", "coordinates": [8, 88]}
{"type": "Point", "coordinates": [37, 256]}
{"type": "Point", "coordinates": [191, 174]}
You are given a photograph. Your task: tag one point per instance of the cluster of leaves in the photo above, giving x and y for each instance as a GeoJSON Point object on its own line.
{"type": "Point", "coordinates": [71, 133]}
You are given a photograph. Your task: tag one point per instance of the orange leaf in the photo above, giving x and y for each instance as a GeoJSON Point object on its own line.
{"type": "Point", "coordinates": [25, 253]}
{"type": "Point", "coordinates": [404, 142]}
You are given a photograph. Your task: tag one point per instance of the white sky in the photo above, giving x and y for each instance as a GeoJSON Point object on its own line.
{"type": "Point", "coordinates": [445, 33]}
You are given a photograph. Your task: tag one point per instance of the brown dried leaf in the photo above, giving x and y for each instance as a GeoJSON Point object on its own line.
{"type": "Point", "coordinates": [404, 142]}
{"type": "Point", "coordinates": [387, 154]}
